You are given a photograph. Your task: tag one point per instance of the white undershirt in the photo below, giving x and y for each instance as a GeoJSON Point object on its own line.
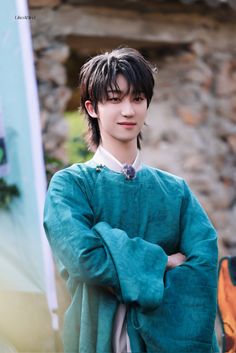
{"type": "Point", "coordinates": [120, 340]}
{"type": "Point", "coordinates": [102, 156]}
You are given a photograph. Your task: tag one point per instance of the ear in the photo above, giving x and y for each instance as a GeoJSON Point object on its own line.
{"type": "Point", "coordinates": [90, 109]}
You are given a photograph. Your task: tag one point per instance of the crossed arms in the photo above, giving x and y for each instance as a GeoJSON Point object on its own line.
{"type": "Point", "coordinates": [106, 256]}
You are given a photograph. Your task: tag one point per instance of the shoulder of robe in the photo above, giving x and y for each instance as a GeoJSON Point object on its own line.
{"type": "Point", "coordinates": [169, 182]}
{"type": "Point", "coordinates": [80, 175]}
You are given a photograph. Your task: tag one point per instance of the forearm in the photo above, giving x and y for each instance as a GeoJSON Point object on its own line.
{"type": "Point", "coordinates": [107, 257]}
{"type": "Point", "coordinates": [99, 254]}
{"type": "Point", "coordinates": [139, 264]}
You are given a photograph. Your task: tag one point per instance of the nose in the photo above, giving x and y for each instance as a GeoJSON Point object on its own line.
{"type": "Point", "coordinates": [127, 109]}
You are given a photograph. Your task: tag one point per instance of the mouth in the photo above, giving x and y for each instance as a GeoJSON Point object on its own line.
{"type": "Point", "coordinates": [125, 123]}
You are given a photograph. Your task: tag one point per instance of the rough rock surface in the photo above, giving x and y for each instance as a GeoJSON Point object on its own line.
{"type": "Point", "coordinates": [192, 119]}
{"type": "Point", "coordinates": [191, 123]}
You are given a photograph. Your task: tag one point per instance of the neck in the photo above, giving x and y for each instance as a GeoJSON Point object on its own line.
{"type": "Point", "coordinates": [125, 152]}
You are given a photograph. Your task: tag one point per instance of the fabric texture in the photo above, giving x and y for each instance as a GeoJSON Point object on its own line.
{"type": "Point", "coordinates": [107, 231]}
{"type": "Point", "coordinates": [120, 339]}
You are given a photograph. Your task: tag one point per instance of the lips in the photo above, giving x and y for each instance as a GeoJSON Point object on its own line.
{"type": "Point", "coordinates": [127, 123]}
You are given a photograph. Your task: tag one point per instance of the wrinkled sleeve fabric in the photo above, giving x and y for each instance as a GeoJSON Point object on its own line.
{"type": "Point", "coordinates": [198, 241]}
{"type": "Point", "coordinates": [97, 253]}
{"type": "Point", "coordinates": [185, 320]}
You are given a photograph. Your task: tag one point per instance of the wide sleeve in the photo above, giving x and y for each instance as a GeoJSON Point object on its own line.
{"type": "Point", "coordinates": [97, 253]}
{"type": "Point", "coordinates": [198, 241]}
{"type": "Point", "coordinates": [185, 320]}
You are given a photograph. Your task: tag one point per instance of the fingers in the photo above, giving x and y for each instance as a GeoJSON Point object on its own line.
{"type": "Point", "coordinates": [175, 260]}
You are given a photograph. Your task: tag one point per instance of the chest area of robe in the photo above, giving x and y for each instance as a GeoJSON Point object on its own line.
{"type": "Point", "coordinates": [141, 207]}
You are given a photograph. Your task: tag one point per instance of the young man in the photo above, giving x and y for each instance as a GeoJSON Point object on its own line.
{"type": "Point", "coordinates": [137, 250]}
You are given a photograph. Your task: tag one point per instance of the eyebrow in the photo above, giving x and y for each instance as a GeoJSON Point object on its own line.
{"type": "Point", "coordinates": [114, 91]}
{"type": "Point", "coordinates": [122, 92]}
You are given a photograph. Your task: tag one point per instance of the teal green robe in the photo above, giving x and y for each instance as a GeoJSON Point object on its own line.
{"type": "Point", "coordinates": [108, 231]}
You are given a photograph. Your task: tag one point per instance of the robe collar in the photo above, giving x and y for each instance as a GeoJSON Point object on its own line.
{"type": "Point", "coordinates": [103, 156]}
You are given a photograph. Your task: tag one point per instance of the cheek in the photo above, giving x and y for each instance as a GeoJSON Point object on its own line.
{"type": "Point", "coordinates": [143, 107]}
{"type": "Point", "coordinates": [105, 112]}
{"type": "Point", "coordinates": [143, 113]}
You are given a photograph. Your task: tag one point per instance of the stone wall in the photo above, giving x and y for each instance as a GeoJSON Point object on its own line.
{"type": "Point", "coordinates": [192, 130]}
{"type": "Point", "coordinates": [191, 125]}
{"type": "Point", "coordinates": [50, 56]}
{"type": "Point", "coordinates": [192, 119]}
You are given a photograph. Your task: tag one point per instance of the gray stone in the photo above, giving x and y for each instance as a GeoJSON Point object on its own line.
{"type": "Point", "coordinates": [40, 42]}
{"type": "Point", "coordinates": [194, 163]}
{"type": "Point", "coordinates": [224, 127]}
{"type": "Point", "coordinates": [42, 3]}
{"type": "Point", "coordinates": [226, 78]}
{"type": "Point", "coordinates": [60, 129]}
{"type": "Point", "coordinates": [200, 74]}
{"type": "Point", "coordinates": [56, 101]}
{"type": "Point", "coordinates": [191, 129]}
{"type": "Point", "coordinates": [42, 23]}
{"type": "Point", "coordinates": [199, 48]}
{"type": "Point", "coordinates": [191, 115]}
{"type": "Point", "coordinates": [44, 89]}
{"type": "Point", "coordinates": [222, 196]}
{"type": "Point", "coordinates": [49, 70]}
{"type": "Point", "coordinates": [232, 142]}
{"type": "Point", "coordinates": [201, 183]}
{"type": "Point", "coordinates": [226, 107]}
{"type": "Point", "coordinates": [56, 134]}
{"type": "Point", "coordinates": [44, 118]}
{"type": "Point", "coordinates": [204, 202]}
{"type": "Point", "coordinates": [229, 237]}
{"type": "Point", "coordinates": [57, 52]}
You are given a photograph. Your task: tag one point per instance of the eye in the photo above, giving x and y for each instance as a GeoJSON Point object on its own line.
{"type": "Point", "coordinates": [114, 99]}
{"type": "Point", "coordinates": [139, 98]}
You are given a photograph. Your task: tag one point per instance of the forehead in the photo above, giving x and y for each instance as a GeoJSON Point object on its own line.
{"type": "Point", "coordinates": [121, 85]}
{"type": "Point", "coordinates": [121, 82]}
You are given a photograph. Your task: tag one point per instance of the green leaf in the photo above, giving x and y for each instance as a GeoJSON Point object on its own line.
{"type": "Point", "coordinates": [1, 155]}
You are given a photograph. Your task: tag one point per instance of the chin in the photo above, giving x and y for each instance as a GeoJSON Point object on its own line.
{"type": "Point", "coordinates": [126, 141]}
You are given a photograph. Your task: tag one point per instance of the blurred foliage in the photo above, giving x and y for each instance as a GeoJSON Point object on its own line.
{"type": "Point", "coordinates": [7, 193]}
{"type": "Point", "coordinates": [76, 147]}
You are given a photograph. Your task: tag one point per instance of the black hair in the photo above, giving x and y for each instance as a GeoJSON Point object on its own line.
{"type": "Point", "coordinates": [99, 74]}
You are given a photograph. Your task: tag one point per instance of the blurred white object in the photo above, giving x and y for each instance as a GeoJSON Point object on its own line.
{"type": "Point", "coordinates": [6, 347]}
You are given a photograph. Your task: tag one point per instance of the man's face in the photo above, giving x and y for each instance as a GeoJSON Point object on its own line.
{"type": "Point", "coordinates": [122, 115]}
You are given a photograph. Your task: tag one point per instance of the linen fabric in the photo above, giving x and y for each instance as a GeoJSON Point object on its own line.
{"type": "Point", "coordinates": [107, 231]}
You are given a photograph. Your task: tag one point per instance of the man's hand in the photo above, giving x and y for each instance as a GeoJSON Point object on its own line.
{"type": "Point", "coordinates": [175, 260]}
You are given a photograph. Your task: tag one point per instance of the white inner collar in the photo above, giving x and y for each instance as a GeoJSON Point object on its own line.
{"type": "Point", "coordinates": [103, 156]}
